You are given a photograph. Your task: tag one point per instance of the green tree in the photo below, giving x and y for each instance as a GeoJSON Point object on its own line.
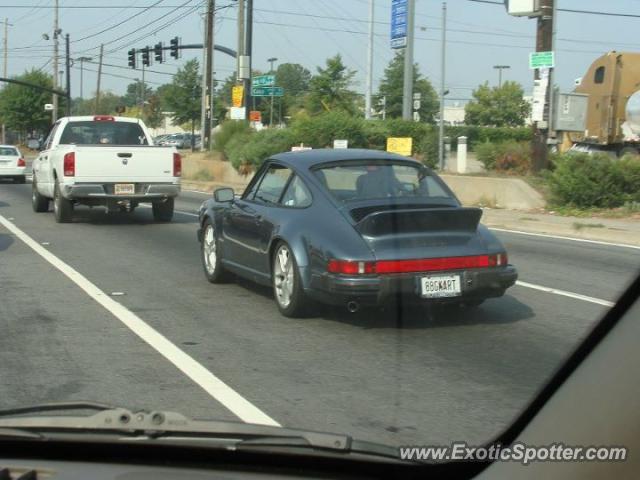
{"type": "Point", "coordinates": [183, 96]}
{"type": "Point", "coordinates": [22, 107]}
{"type": "Point", "coordinates": [329, 88]}
{"type": "Point", "coordinates": [391, 88]}
{"type": "Point", "coordinates": [498, 106]}
{"type": "Point", "coordinates": [152, 114]}
{"type": "Point", "coordinates": [294, 78]}
{"type": "Point", "coordinates": [109, 102]}
{"type": "Point", "coordinates": [134, 93]}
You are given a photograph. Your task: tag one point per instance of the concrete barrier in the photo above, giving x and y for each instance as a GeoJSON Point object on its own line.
{"type": "Point", "coordinates": [510, 193]}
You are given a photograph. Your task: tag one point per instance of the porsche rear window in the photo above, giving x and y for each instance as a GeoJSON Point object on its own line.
{"type": "Point", "coordinates": [371, 180]}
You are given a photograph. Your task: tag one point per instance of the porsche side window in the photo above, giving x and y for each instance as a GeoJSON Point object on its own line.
{"type": "Point", "coordinates": [296, 195]}
{"type": "Point", "coordinates": [272, 184]}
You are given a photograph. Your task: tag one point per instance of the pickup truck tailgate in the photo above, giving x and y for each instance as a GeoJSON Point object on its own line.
{"type": "Point", "coordinates": [124, 163]}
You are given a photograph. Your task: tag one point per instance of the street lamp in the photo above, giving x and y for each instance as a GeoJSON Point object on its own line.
{"type": "Point", "coordinates": [500, 68]}
{"type": "Point", "coordinates": [271, 60]}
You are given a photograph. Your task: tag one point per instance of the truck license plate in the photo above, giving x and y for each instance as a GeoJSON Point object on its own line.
{"type": "Point", "coordinates": [440, 286]}
{"type": "Point", "coordinates": [124, 189]}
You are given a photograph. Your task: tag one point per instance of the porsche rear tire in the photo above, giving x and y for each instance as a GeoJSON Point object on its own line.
{"type": "Point", "coordinates": [287, 286]}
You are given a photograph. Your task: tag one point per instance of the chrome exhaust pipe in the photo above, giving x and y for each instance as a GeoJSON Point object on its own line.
{"type": "Point", "coordinates": [353, 306]}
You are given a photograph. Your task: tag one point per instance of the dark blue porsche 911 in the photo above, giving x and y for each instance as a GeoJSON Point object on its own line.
{"type": "Point", "coordinates": [352, 227]}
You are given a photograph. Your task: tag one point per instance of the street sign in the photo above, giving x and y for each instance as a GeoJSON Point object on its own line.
{"type": "Point", "coordinates": [416, 116]}
{"type": "Point", "coordinates": [400, 145]}
{"type": "Point", "coordinates": [48, 107]}
{"type": "Point", "coordinates": [263, 81]}
{"type": "Point", "coordinates": [341, 144]}
{"type": "Point", "coordinates": [255, 116]}
{"type": "Point", "coordinates": [398, 23]}
{"type": "Point", "coordinates": [237, 113]}
{"type": "Point", "coordinates": [541, 60]}
{"type": "Point", "coordinates": [417, 96]}
{"type": "Point", "coordinates": [237, 92]}
{"type": "Point", "coordinates": [416, 104]}
{"type": "Point", "coordinates": [300, 148]}
{"type": "Point", "coordinates": [267, 92]}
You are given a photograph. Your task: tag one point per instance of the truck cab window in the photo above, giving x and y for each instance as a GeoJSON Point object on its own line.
{"type": "Point", "coordinates": [599, 75]}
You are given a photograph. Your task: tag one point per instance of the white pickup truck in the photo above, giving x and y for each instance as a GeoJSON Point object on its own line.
{"type": "Point", "coordinates": [104, 161]}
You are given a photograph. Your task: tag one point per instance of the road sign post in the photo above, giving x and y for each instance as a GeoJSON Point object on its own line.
{"type": "Point", "coordinates": [541, 60]}
{"type": "Point", "coordinates": [399, 23]}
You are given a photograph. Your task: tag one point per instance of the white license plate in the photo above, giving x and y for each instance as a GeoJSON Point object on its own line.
{"type": "Point", "coordinates": [124, 189]}
{"type": "Point", "coordinates": [439, 286]}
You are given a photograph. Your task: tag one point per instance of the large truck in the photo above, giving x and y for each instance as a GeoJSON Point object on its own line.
{"type": "Point", "coordinates": [612, 84]}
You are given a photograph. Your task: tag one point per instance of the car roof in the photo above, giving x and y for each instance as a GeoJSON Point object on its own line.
{"type": "Point", "coordinates": [312, 158]}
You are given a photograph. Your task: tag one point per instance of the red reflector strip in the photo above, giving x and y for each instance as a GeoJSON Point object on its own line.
{"type": "Point", "coordinates": [434, 264]}
{"type": "Point", "coordinates": [103, 118]}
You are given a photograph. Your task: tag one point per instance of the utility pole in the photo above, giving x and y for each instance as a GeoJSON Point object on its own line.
{"type": "Point", "coordinates": [54, 113]}
{"type": "Point", "coordinates": [97, 106]}
{"type": "Point", "coordinates": [6, 46]}
{"type": "Point", "coordinates": [369, 87]}
{"type": "Point", "coordinates": [203, 82]}
{"type": "Point", "coordinates": [82, 60]}
{"type": "Point", "coordinates": [544, 43]}
{"type": "Point", "coordinates": [240, 38]}
{"type": "Point", "coordinates": [68, 73]}
{"type": "Point", "coordinates": [442, 86]}
{"type": "Point", "coordinates": [407, 87]}
{"type": "Point", "coordinates": [248, 45]}
{"type": "Point", "coordinates": [271, 60]}
{"type": "Point", "coordinates": [500, 68]}
{"type": "Point", "coordinates": [206, 128]}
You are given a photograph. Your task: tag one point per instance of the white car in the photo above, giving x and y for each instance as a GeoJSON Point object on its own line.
{"type": "Point", "coordinates": [12, 163]}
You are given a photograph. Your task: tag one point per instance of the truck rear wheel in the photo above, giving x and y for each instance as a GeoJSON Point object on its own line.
{"type": "Point", "coordinates": [62, 208]}
{"type": "Point", "coordinates": [163, 211]}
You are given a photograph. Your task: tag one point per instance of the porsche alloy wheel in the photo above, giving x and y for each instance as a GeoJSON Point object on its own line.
{"type": "Point", "coordinates": [287, 287]}
{"type": "Point", "coordinates": [213, 269]}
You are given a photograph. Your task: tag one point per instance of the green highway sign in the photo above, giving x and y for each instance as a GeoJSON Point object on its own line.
{"type": "Point", "coordinates": [263, 81]}
{"type": "Point", "coordinates": [541, 60]}
{"type": "Point", "coordinates": [267, 92]}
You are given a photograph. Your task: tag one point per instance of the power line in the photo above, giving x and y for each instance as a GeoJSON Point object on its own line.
{"type": "Point", "coordinates": [570, 10]}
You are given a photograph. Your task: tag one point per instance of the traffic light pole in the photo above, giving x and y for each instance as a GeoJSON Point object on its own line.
{"type": "Point", "coordinates": [248, 45]}
{"type": "Point", "coordinates": [208, 93]}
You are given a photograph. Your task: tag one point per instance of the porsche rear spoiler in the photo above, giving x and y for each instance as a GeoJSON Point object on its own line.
{"type": "Point", "coordinates": [423, 220]}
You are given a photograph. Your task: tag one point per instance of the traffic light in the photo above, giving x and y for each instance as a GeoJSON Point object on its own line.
{"type": "Point", "coordinates": [132, 58]}
{"type": "Point", "coordinates": [146, 61]}
{"type": "Point", "coordinates": [175, 42]}
{"type": "Point", "coordinates": [157, 51]}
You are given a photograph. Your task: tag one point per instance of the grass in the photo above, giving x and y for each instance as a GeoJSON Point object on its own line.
{"type": "Point", "coordinates": [580, 226]}
{"type": "Point", "coordinates": [203, 175]}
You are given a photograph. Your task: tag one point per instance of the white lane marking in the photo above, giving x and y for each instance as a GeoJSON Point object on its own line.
{"type": "Point", "coordinates": [215, 387]}
{"type": "Point", "coordinates": [564, 293]}
{"type": "Point", "coordinates": [573, 239]}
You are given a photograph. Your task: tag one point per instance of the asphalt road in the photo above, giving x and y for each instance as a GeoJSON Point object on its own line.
{"type": "Point", "coordinates": [413, 378]}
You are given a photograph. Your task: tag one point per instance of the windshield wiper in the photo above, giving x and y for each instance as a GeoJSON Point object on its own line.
{"type": "Point", "coordinates": [126, 424]}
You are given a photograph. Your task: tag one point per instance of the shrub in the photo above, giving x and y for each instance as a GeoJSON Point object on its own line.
{"type": "Point", "coordinates": [583, 180]}
{"type": "Point", "coordinates": [227, 131]}
{"type": "Point", "coordinates": [507, 157]}
{"type": "Point", "coordinates": [254, 149]}
{"type": "Point", "coordinates": [320, 131]}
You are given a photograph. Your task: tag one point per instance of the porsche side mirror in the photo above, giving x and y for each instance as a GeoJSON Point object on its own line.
{"type": "Point", "coordinates": [223, 194]}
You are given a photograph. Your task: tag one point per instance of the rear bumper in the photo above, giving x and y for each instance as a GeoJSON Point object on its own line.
{"type": "Point", "coordinates": [12, 172]}
{"type": "Point", "coordinates": [476, 284]}
{"type": "Point", "coordinates": [143, 191]}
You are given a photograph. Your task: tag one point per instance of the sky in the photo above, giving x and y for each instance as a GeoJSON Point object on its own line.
{"type": "Point", "coordinates": [479, 36]}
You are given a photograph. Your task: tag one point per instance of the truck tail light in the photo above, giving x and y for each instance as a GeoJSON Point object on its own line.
{"type": "Point", "coordinates": [69, 164]}
{"type": "Point", "coordinates": [21, 162]}
{"type": "Point", "coordinates": [177, 165]}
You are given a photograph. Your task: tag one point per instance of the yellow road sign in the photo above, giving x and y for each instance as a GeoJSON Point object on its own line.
{"type": "Point", "coordinates": [400, 145]}
{"type": "Point", "coordinates": [237, 93]}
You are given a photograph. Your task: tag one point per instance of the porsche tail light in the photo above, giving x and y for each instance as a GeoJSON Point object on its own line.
{"type": "Point", "coordinates": [352, 267]}
{"type": "Point", "coordinates": [21, 162]}
{"type": "Point", "coordinates": [69, 164]}
{"type": "Point", "coordinates": [177, 165]}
